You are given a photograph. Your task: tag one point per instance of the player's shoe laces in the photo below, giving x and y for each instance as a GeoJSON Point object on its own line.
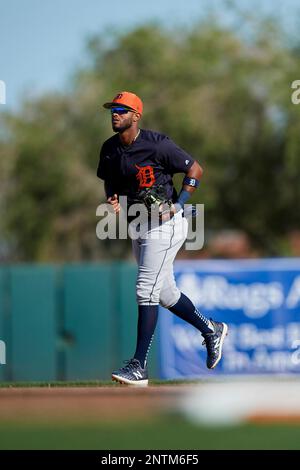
{"type": "Point", "coordinates": [131, 374]}
{"type": "Point", "coordinates": [214, 343]}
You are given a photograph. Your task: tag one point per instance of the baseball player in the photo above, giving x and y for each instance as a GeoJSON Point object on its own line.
{"type": "Point", "coordinates": [139, 164]}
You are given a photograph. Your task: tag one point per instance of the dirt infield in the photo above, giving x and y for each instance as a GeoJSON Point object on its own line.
{"type": "Point", "coordinates": [87, 403]}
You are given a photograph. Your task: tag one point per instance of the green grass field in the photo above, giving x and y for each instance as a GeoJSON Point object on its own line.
{"type": "Point", "coordinates": [89, 383]}
{"type": "Point", "coordinates": [163, 433]}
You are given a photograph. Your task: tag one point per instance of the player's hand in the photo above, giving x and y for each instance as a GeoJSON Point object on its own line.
{"type": "Point", "coordinates": [113, 200]}
{"type": "Point", "coordinates": [166, 212]}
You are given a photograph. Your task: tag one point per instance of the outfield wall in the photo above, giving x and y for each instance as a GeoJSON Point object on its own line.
{"type": "Point", "coordinates": [71, 322]}
{"type": "Point", "coordinates": [78, 321]}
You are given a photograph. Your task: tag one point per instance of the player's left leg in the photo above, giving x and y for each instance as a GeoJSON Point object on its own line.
{"type": "Point", "coordinates": [177, 302]}
{"type": "Point", "coordinates": [213, 332]}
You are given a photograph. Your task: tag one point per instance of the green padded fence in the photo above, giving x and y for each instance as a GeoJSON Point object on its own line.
{"type": "Point", "coordinates": [33, 325]}
{"type": "Point", "coordinates": [3, 316]}
{"type": "Point", "coordinates": [71, 322]}
{"type": "Point", "coordinates": [88, 312]}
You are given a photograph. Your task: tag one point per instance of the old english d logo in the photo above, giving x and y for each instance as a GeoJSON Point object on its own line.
{"type": "Point", "coordinates": [145, 176]}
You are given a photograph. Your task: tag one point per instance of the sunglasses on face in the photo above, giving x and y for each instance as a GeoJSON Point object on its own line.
{"type": "Point", "coordinates": [119, 110]}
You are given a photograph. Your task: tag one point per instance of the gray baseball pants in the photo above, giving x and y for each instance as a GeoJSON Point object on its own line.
{"type": "Point", "coordinates": [155, 251]}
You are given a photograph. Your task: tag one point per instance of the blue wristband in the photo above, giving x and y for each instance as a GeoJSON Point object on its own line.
{"type": "Point", "coordinates": [191, 182]}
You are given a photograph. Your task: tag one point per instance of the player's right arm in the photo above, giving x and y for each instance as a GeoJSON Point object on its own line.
{"type": "Point", "coordinates": [114, 201]}
{"type": "Point", "coordinates": [103, 172]}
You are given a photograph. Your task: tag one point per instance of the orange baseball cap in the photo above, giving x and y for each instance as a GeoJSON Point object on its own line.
{"type": "Point", "coordinates": [127, 99]}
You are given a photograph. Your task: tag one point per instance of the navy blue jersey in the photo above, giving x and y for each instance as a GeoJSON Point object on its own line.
{"type": "Point", "coordinates": [151, 159]}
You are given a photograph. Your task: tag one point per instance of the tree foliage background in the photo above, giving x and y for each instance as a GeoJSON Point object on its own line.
{"type": "Point", "coordinates": [224, 95]}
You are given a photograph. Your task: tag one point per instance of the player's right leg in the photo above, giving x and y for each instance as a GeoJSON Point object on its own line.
{"type": "Point", "coordinates": [135, 371]}
{"type": "Point", "coordinates": [131, 374]}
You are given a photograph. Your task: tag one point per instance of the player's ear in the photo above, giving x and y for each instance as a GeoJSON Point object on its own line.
{"type": "Point", "coordinates": [136, 117]}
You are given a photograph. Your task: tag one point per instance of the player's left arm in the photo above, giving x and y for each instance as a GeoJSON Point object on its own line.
{"type": "Point", "coordinates": [193, 177]}
{"type": "Point", "coordinates": [176, 160]}
{"type": "Point", "coordinates": [190, 183]}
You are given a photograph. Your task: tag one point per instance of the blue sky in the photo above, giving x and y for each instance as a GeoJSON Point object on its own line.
{"type": "Point", "coordinates": [42, 41]}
